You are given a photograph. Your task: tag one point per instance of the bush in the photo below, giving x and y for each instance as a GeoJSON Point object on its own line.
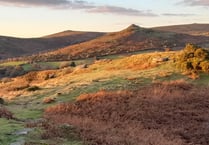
{"type": "Point", "coordinates": [33, 88]}
{"type": "Point", "coordinates": [193, 58]}
{"type": "Point", "coordinates": [205, 66]}
{"type": "Point", "coordinates": [72, 64]}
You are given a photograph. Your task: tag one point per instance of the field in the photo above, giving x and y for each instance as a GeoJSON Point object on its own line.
{"type": "Point", "coordinates": [119, 99]}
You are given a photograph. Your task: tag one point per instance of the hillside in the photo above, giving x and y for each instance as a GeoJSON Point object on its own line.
{"type": "Point", "coordinates": [191, 29]}
{"type": "Point", "coordinates": [131, 39]}
{"type": "Point", "coordinates": [14, 47]}
{"type": "Point", "coordinates": [129, 100]}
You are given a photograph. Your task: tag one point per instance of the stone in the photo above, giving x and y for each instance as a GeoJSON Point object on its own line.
{"type": "Point", "coordinates": [24, 131]}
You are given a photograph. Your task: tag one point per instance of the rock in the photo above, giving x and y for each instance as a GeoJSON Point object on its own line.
{"type": "Point", "coordinates": [24, 131]}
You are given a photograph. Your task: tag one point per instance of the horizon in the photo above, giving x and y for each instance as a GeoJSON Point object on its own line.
{"type": "Point", "coordinates": [31, 18]}
{"type": "Point", "coordinates": [52, 33]}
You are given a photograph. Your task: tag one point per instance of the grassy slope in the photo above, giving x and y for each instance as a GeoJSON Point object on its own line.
{"type": "Point", "coordinates": [126, 73]}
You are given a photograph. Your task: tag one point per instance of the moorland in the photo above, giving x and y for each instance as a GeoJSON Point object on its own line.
{"type": "Point", "coordinates": [138, 86]}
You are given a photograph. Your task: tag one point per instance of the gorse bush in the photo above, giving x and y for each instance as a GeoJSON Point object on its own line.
{"type": "Point", "coordinates": [193, 58]}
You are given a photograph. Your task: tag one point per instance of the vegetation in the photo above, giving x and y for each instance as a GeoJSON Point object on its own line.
{"type": "Point", "coordinates": [4, 113]}
{"type": "Point", "coordinates": [48, 100]}
{"type": "Point", "coordinates": [2, 101]}
{"type": "Point", "coordinates": [121, 99]}
{"type": "Point", "coordinates": [33, 88]}
{"type": "Point", "coordinates": [7, 128]}
{"type": "Point", "coordinates": [160, 114]}
{"type": "Point", "coordinates": [11, 71]}
{"type": "Point", "coordinates": [194, 58]}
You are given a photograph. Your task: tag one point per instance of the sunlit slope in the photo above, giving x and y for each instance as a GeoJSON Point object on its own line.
{"type": "Point", "coordinates": [133, 38]}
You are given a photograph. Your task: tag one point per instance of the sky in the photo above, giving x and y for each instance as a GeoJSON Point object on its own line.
{"type": "Point", "coordinates": [35, 18]}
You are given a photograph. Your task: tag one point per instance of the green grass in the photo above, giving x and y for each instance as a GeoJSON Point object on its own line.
{"type": "Point", "coordinates": [13, 63]}
{"type": "Point", "coordinates": [7, 127]}
{"type": "Point", "coordinates": [51, 65]}
{"type": "Point", "coordinates": [203, 80]}
{"type": "Point", "coordinates": [56, 64]}
{"type": "Point", "coordinates": [26, 113]}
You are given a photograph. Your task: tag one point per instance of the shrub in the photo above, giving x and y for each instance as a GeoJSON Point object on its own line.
{"type": "Point", "coordinates": [205, 66]}
{"type": "Point", "coordinates": [72, 64]}
{"type": "Point", "coordinates": [33, 88]}
{"type": "Point", "coordinates": [193, 58]}
{"type": "Point", "coordinates": [201, 53]}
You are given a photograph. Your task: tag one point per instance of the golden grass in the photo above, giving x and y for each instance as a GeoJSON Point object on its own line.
{"type": "Point", "coordinates": [132, 66]}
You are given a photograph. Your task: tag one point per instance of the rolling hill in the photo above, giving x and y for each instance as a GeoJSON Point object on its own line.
{"type": "Point", "coordinates": [131, 39]}
{"type": "Point", "coordinates": [15, 47]}
{"type": "Point", "coordinates": [191, 29]}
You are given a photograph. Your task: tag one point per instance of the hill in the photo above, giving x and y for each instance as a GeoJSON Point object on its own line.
{"type": "Point", "coordinates": [130, 100]}
{"type": "Point", "coordinates": [131, 39]}
{"type": "Point", "coordinates": [191, 29]}
{"type": "Point", "coordinates": [15, 47]}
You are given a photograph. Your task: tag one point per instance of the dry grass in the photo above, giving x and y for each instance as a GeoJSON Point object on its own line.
{"type": "Point", "coordinates": [171, 113]}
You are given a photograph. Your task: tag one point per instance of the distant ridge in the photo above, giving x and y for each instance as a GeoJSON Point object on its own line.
{"type": "Point", "coordinates": [69, 44]}
{"type": "Point", "coordinates": [191, 29]}
{"type": "Point", "coordinates": [15, 47]}
{"type": "Point", "coordinates": [132, 38]}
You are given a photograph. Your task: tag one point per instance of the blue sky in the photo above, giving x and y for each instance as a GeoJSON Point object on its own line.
{"type": "Point", "coordinates": [34, 18]}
